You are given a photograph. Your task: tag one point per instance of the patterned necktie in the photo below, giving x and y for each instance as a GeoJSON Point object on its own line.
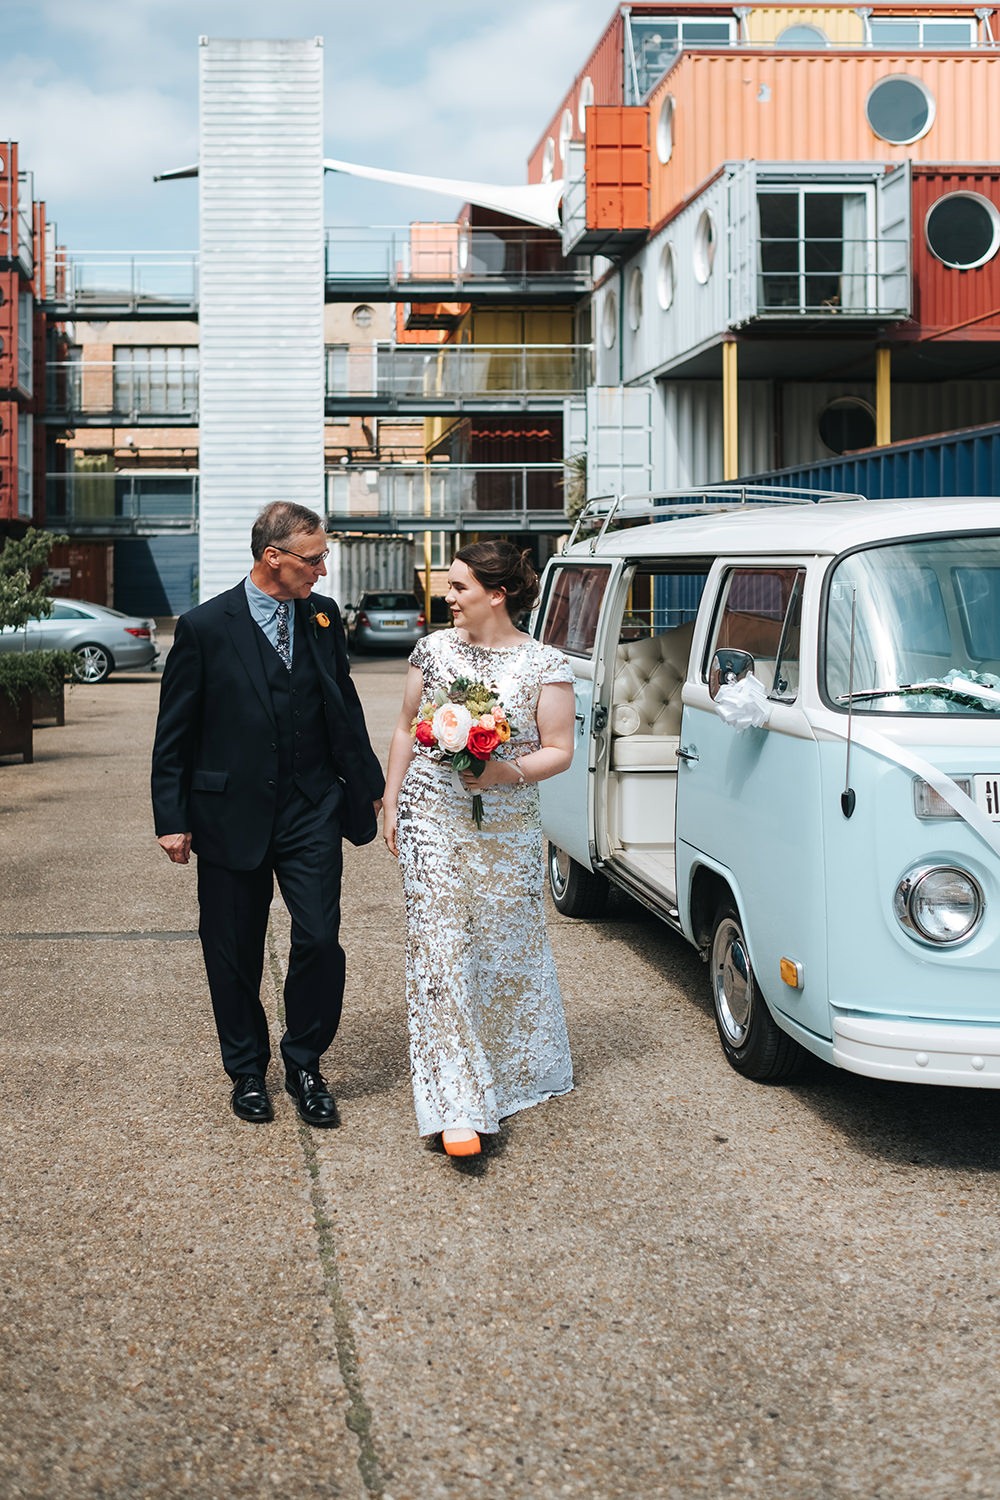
{"type": "Point", "coordinates": [284, 642]}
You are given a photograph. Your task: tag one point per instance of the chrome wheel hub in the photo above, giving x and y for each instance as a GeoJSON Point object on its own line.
{"type": "Point", "coordinates": [732, 981]}
{"type": "Point", "coordinates": [559, 870]}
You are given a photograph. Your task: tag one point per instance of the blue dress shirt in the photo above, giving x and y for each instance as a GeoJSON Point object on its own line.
{"type": "Point", "coordinates": [264, 610]}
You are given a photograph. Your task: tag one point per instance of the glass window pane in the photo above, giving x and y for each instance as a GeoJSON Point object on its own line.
{"type": "Point", "coordinates": [572, 609]}
{"type": "Point", "coordinates": [895, 33]}
{"type": "Point", "coordinates": [927, 612]}
{"type": "Point", "coordinates": [760, 614]}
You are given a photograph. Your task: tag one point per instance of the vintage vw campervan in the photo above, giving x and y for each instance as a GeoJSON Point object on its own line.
{"type": "Point", "coordinates": [788, 746]}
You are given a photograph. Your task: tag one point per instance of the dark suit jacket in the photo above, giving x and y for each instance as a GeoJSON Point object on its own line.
{"type": "Point", "coordinates": [215, 757]}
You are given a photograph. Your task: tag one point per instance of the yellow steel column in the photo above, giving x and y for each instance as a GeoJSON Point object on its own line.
{"type": "Point", "coordinates": [730, 411]}
{"type": "Point", "coordinates": [427, 546]}
{"type": "Point", "coordinates": [883, 395]}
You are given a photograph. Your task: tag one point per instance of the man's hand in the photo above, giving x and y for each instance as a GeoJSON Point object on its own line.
{"type": "Point", "coordinates": [176, 846]}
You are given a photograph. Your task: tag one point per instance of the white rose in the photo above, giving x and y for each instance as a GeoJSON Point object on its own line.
{"type": "Point", "coordinates": [451, 724]}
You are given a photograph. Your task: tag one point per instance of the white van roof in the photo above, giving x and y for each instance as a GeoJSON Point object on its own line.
{"type": "Point", "coordinates": [770, 530]}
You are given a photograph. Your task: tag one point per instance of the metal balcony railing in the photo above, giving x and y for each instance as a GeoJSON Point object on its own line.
{"type": "Point", "coordinates": [116, 284]}
{"type": "Point", "coordinates": [462, 377]}
{"type": "Point", "coordinates": [450, 262]}
{"type": "Point", "coordinates": [133, 502]}
{"type": "Point", "coordinates": [814, 277]}
{"type": "Point", "coordinates": [446, 497]}
{"type": "Point", "coordinates": [157, 392]}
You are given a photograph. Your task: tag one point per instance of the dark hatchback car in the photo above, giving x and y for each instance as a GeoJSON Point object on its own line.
{"type": "Point", "coordinates": [385, 620]}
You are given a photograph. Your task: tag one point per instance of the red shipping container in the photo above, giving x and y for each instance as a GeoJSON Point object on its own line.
{"type": "Point", "coordinates": [957, 302]}
{"type": "Point", "coordinates": [8, 330]}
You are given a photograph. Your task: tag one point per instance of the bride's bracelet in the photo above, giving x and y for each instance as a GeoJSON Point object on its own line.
{"type": "Point", "coordinates": [522, 779]}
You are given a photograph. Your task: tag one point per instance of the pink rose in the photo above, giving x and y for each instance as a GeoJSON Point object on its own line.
{"type": "Point", "coordinates": [451, 724]}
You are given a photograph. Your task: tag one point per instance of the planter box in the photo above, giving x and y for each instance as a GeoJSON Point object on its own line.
{"type": "Point", "coordinates": [49, 705]}
{"type": "Point", "coordinates": [16, 736]}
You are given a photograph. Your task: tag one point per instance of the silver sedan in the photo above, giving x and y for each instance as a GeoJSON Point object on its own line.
{"type": "Point", "coordinates": [102, 640]}
{"type": "Point", "coordinates": [382, 619]}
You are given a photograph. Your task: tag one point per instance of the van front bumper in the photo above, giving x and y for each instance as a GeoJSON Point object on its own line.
{"type": "Point", "coordinates": [918, 1051]}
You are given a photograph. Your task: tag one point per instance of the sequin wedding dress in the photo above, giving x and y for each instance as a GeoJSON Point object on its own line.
{"type": "Point", "coordinates": [487, 1030]}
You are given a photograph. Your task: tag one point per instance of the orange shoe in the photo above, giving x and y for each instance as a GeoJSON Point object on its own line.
{"type": "Point", "coordinates": [460, 1142]}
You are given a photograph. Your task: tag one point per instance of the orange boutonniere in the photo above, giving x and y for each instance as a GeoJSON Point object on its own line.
{"type": "Point", "coordinates": [322, 621]}
{"type": "Point", "coordinates": [317, 617]}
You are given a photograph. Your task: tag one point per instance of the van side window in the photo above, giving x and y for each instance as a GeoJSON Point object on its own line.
{"type": "Point", "coordinates": [761, 613]}
{"type": "Point", "coordinates": [572, 609]}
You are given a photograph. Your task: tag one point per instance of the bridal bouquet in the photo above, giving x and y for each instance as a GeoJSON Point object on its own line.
{"type": "Point", "coordinates": [465, 723]}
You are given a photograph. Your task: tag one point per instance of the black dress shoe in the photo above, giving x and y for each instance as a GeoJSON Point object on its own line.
{"type": "Point", "coordinates": [250, 1098]}
{"type": "Point", "coordinates": [313, 1101]}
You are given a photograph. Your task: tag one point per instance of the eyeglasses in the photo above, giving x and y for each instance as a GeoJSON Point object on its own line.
{"type": "Point", "coordinates": [314, 561]}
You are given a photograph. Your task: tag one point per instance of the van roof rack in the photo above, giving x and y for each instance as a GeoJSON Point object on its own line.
{"type": "Point", "coordinates": [673, 505]}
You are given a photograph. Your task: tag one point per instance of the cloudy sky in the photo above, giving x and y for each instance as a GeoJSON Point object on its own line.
{"type": "Point", "coordinates": [102, 94]}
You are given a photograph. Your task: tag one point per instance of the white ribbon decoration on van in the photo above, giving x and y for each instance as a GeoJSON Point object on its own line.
{"type": "Point", "coordinates": [952, 793]}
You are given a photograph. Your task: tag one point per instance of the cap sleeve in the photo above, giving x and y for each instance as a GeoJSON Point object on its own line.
{"type": "Point", "coordinates": [555, 666]}
{"type": "Point", "coordinates": [421, 654]}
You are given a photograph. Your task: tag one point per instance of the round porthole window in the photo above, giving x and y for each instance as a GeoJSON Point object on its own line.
{"type": "Point", "coordinates": [585, 101]}
{"type": "Point", "coordinates": [847, 423]}
{"type": "Point", "coordinates": [963, 230]}
{"type": "Point", "coordinates": [666, 278]}
{"type": "Point", "coordinates": [802, 36]}
{"type": "Point", "coordinates": [665, 130]}
{"type": "Point", "coordinates": [635, 299]}
{"type": "Point", "coordinates": [548, 159]}
{"type": "Point", "coordinates": [362, 316]}
{"type": "Point", "coordinates": [704, 247]}
{"type": "Point", "coordinates": [609, 321]}
{"type": "Point", "coordinates": [565, 133]}
{"type": "Point", "coordinates": [899, 109]}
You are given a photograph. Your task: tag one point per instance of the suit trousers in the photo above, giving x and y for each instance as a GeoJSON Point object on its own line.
{"type": "Point", "coordinates": [306, 857]}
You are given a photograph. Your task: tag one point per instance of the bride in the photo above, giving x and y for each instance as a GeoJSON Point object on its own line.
{"type": "Point", "coordinates": [487, 1030]}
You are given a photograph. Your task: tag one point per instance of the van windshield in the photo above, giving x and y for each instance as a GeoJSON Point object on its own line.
{"type": "Point", "coordinates": [926, 628]}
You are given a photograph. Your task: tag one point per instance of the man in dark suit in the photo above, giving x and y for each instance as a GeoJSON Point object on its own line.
{"type": "Point", "coordinates": [261, 761]}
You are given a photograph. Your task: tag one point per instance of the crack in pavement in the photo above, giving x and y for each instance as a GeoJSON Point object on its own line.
{"type": "Point", "coordinates": [359, 1414]}
{"type": "Point", "coordinates": [189, 936]}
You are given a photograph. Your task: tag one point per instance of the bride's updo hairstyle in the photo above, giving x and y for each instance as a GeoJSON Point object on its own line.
{"type": "Point", "coordinates": [499, 565]}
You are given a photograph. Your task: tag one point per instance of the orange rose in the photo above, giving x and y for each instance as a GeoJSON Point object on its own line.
{"type": "Point", "coordinates": [322, 620]}
{"type": "Point", "coordinates": [482, 742]}
{"type": "Point", "coordinates": [502, 730]}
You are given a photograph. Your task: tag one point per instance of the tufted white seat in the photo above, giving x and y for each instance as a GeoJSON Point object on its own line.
{"type": "Point", "coordinates": [646, 700]}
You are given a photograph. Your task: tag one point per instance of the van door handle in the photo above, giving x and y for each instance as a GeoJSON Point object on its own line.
{"type": "Point", "coordinates": [688, 755]}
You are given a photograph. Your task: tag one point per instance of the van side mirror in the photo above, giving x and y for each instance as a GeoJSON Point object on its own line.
{"type": "Point", "coordinates": [728, 666]}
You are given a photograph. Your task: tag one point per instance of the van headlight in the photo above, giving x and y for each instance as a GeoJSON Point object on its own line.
{"type": "Point", "coordinates": [939, 903]}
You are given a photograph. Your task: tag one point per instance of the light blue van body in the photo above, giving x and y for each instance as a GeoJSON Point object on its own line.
{"type": "Point", "coordinates": [839, 864]}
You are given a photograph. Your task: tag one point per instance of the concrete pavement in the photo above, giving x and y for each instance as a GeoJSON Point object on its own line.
{"type": "Point", "coordinates": [670, 1283]}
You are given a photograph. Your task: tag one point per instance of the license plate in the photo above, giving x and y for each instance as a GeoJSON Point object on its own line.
{"type": "Point", "coordinates": [987, 789]}
{"type": "Point", "coordinates": [393, 624]}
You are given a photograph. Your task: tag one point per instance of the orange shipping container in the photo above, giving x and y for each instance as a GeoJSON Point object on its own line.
{"type": "Point", "coordinates": [809, 107]}
{"type": "Point", "coordinates": [618, 168]}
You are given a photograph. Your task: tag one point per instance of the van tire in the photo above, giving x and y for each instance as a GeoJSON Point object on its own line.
{"type": "Point", "coordinates": [753, 1042]}
{"type": "Point", "coordinates": [576, 892]}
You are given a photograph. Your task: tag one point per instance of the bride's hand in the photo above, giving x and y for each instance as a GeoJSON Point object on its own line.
{"type": "Point", "coordinates": [389, 829]}
{"type": "Point", "coordinates": [494, 773]}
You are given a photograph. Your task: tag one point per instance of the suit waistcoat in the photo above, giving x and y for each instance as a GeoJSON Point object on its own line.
{"type": "Point", "coordinates": [305, 755]}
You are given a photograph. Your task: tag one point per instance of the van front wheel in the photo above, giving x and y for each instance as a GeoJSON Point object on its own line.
{"type": "Point", "coordinates": [754, 1044]}
{"type": "Point", "coordinates": [576, 892]}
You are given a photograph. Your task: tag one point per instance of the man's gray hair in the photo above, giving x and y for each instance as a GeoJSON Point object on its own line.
{"type": "Point", "coordinates": [279, 521]}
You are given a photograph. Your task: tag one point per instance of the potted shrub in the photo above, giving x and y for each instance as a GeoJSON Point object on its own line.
{"type": "Point", "coordinates": [25, 674]}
